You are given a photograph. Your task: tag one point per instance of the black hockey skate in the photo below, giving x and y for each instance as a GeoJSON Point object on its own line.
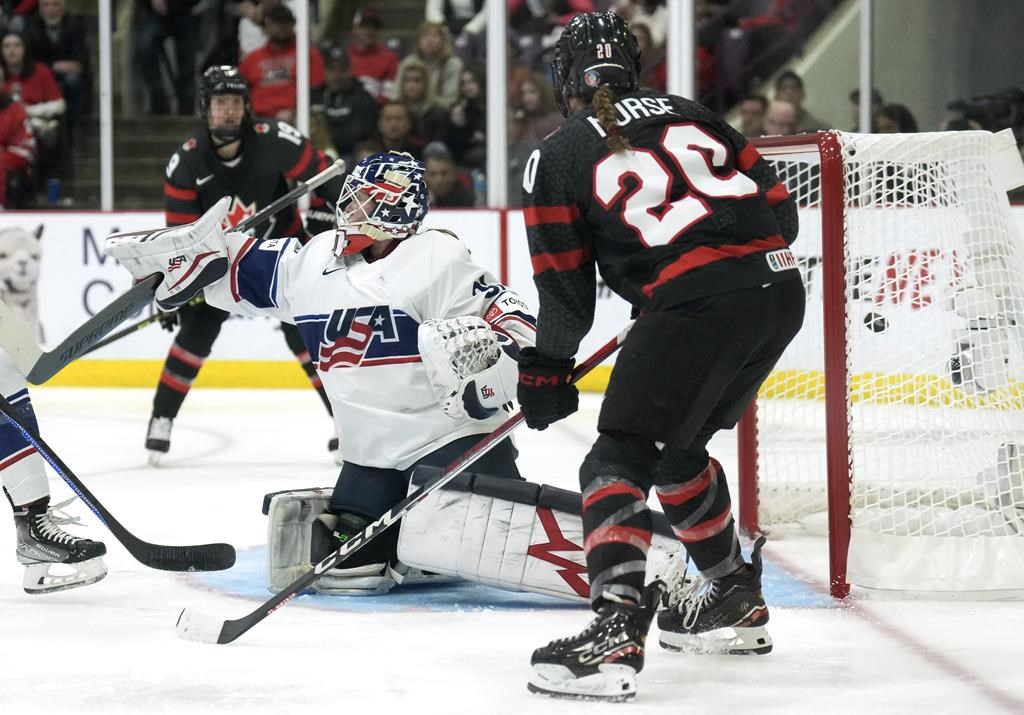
{"type": "Point", "coordinates": [158, 438]}
{"type": "Point", "coordinates": [42, 544]}
{"type": "Point", "coordinates": [601, 662]}
{"type": "Point", "coordinates": [722, 615]}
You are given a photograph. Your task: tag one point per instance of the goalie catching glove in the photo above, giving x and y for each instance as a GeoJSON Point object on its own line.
{"type": "Point", "coordinates": [468, 369]}
{"type": "Point", "coordinates": [189, 257]}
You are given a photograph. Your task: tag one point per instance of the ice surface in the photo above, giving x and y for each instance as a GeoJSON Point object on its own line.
{"type": "Point", "coordinates": [112, 647]}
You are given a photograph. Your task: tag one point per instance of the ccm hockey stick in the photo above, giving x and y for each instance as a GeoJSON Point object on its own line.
{"type": "Point", "coordinates": [201, 557]}
{"type": "Point", "coordinates": [38, 365]}
{"type": "Point", "coordinates": [197, 626]}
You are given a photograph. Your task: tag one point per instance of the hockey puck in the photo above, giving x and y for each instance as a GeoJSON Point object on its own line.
{"type": "Point", "coordinates": [875, 322]}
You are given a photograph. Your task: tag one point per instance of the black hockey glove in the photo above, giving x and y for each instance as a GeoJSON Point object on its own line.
{"type": "Point", "coordinates": [545, 393]}
{"type": "Point", "coordinates": [168, 321]}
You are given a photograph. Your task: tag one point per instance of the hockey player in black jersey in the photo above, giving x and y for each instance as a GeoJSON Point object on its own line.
{"type": "Point", "coordinates": [251, 159]}
{"type": "Point", "coordinates": [688, 223]}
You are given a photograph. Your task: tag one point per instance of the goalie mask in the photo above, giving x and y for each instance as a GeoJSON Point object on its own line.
{"type": "Point", "coordinates": [224, 79]}
{"type": "Point", "coordinates": [594, 49]}
{"type": "Point", "coordinates": [383, 198]}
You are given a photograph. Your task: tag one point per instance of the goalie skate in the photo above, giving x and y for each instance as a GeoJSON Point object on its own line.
{"type": "Point", "coordinates": [54, 559]}
{"type": "Point", "coordinates": [716, 616]}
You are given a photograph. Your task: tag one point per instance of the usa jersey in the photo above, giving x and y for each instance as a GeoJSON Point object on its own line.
{"type": "Point", "coordinates": [691, 210]}
{"type": "Point", "coordinates": [273, 152]}
{"type": "Point", "coordinates": [359, 321]}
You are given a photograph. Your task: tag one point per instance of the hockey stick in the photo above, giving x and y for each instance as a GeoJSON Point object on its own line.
{"type": "Point", "coordinates": [144, 323]}
{"type": "Point", "coordinates": [201, 557]}
{"type": "Point", "coordinates": [38, 366]}
{"type": "Point", "coordinates": [197, 626]}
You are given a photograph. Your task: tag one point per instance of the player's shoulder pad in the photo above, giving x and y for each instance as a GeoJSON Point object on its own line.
{"type": "Point", "coordinates": [442, 243]}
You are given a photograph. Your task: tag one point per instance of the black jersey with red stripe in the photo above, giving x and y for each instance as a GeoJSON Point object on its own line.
{"type": "Point", "coordinates": [273, 152]}
{"type": "Point", "coordinates": [690, 211]}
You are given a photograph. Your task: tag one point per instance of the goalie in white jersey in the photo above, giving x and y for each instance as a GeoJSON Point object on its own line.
{"type": "Point", "coordinates": [413, 341]}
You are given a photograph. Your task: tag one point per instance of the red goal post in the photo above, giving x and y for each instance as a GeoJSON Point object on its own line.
{"type": "Point", "coordinates": [898, 411]}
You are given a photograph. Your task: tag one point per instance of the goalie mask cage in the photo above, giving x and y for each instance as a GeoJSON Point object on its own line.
{"type": "Point", "coordinates": [898, 410]}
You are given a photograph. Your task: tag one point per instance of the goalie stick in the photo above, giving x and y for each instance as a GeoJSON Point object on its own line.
{"type": "Point", "coordinates": [197, 626]}
{"type": "Point", "coordinates": [134, 327]}
{"type": "Point", "coordinates": [38, 365]}
{"type": "Point", "coordinates": [200, 557]}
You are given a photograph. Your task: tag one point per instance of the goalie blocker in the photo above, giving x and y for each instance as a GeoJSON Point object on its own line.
{"type": "Point", "coordinates": [507, 533]}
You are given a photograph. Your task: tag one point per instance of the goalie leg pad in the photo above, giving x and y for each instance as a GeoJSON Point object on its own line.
{"type": "Point", "coordinates": [508, 533]}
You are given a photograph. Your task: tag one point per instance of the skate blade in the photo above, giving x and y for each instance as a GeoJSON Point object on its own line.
{"type": "Point", "coordinates": [611, 684]}
{"type": "Point", "coordinates": [724, 641]}
{"type": "Point", "coordinates": [154, 458]}
{"type": "Point", "coordinates": [39, 579]}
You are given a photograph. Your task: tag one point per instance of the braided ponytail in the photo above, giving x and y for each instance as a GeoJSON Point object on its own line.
{"type": "Point", "coordinates": [604, 109]}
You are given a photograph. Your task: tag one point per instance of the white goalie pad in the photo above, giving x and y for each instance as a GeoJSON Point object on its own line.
{"type": "Point", "coordinates": [291, 515]}
{"type": "Point", "coordinates": [510, 534]}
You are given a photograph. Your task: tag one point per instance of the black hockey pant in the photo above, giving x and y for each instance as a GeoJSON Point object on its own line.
{"type": "Point", "coordinates": [682, 375]}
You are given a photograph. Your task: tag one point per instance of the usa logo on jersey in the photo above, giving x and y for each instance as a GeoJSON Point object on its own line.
{"type": "Point", "coordinates": [361, 337]}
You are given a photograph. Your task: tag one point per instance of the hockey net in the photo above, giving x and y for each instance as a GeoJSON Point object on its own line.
{"type": "Point", "coordinates": [896, 416]}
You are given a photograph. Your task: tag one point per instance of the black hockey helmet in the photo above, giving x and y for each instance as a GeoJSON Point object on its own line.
{"type": "Point", "coordinates": [223, 79]}
{"type": "Point", "coordinates": [594, 49]}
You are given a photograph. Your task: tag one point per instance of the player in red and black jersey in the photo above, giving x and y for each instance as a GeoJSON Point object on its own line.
{"type": "Point", "coordinates": [251, 159]}
{"type": "Point", "coordinates": [688, 223]}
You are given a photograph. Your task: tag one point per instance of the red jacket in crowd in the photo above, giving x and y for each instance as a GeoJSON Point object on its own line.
{"type": "Point", "coordinates": [39, 86]}
{"type": "Point", "coordinates": [270, 72]}
{"type": "Point", "coordinates": [17, 145]}
{"type": "Point", "coordinates": [376, 67]}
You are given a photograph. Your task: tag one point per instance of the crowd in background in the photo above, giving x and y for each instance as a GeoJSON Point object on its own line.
{"type": "Point", "coordinates": [375, 87]}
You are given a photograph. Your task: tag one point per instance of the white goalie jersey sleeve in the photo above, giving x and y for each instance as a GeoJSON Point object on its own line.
{"type": "Point", "coordinates": [259, 273]}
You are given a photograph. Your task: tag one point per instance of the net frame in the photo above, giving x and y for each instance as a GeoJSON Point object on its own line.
{"type": "Point", "coordinates": [827, 150]}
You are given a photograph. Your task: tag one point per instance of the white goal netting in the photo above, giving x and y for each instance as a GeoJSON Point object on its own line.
{"type": "Point", "coordinates": [932, 317]}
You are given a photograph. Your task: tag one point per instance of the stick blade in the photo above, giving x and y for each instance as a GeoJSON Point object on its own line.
{"type": "Point", "coordinates": [17, 341]}
{"type": "Point", "coordinates": [201, 557]}
{"type": "Point", "coordinates": [195, 626]}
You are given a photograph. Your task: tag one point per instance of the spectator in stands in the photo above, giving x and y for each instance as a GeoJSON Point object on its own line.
{"type": "Point", "coordinates": [156, 21]}
{"type": "Point", "coordinates": [17, 154]}
{"type": "Point", "coordinates": [250, 22]}
{"type": "Point", "coordinates": [270, 69]}
{"type": "Point", "coordinates": [366, 148]}
{"type": "Point", "coordinates": [395, 130]}
{"type": "Point", "coordinates": [461, 17]}
{"type": "Point", "coordinates": [876, 105]}
{"type": "Point", "coordinates": [895, 119]}
{"type": "Point", "coordinates": [372, 63]}
{"type": "Point", "coordinates": [434, 51]}
{"type": "Point", "coordinates": [652, 13]}
{"type": "Point", "coordinates": [448, 189]}
{"type": "Point", "coordinates": [465, 133]}
{"type": "Point", "coordinates": [789, 87]}
{"type": "Point", "coordinates": [752, 109]}
{"type": "Point", "coordinates": [780, 118]}
{"type": "Point", "coordinates": [534, 116]}
{"type": "Point", "coordinates": [349, 111]}
{"type": "Point", "coordinates": [58, 39]}
{"type": "Point", "coordinates": [654, 68]}
{"type": "Point", "coordinates": [415, 92]}
{"type": "Point", "coordinates": [14, 14]}
{"type": "Point", "coordinates": [32, 84]}
{"type": "Point", "coordinates": [774, 31]}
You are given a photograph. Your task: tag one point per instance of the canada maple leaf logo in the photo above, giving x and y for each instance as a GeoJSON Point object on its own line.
{"type": "Point", "coordinates": [237, 212]}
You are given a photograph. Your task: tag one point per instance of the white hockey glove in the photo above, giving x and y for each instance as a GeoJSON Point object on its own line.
{"type": "Point", "coordinates": [190, 257]}
{"type": "Point", "coordinates": [470, 374]}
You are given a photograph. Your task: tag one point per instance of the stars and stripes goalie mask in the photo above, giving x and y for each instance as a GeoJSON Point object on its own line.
{"type": "Point", "coordinates": [383, 198]}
